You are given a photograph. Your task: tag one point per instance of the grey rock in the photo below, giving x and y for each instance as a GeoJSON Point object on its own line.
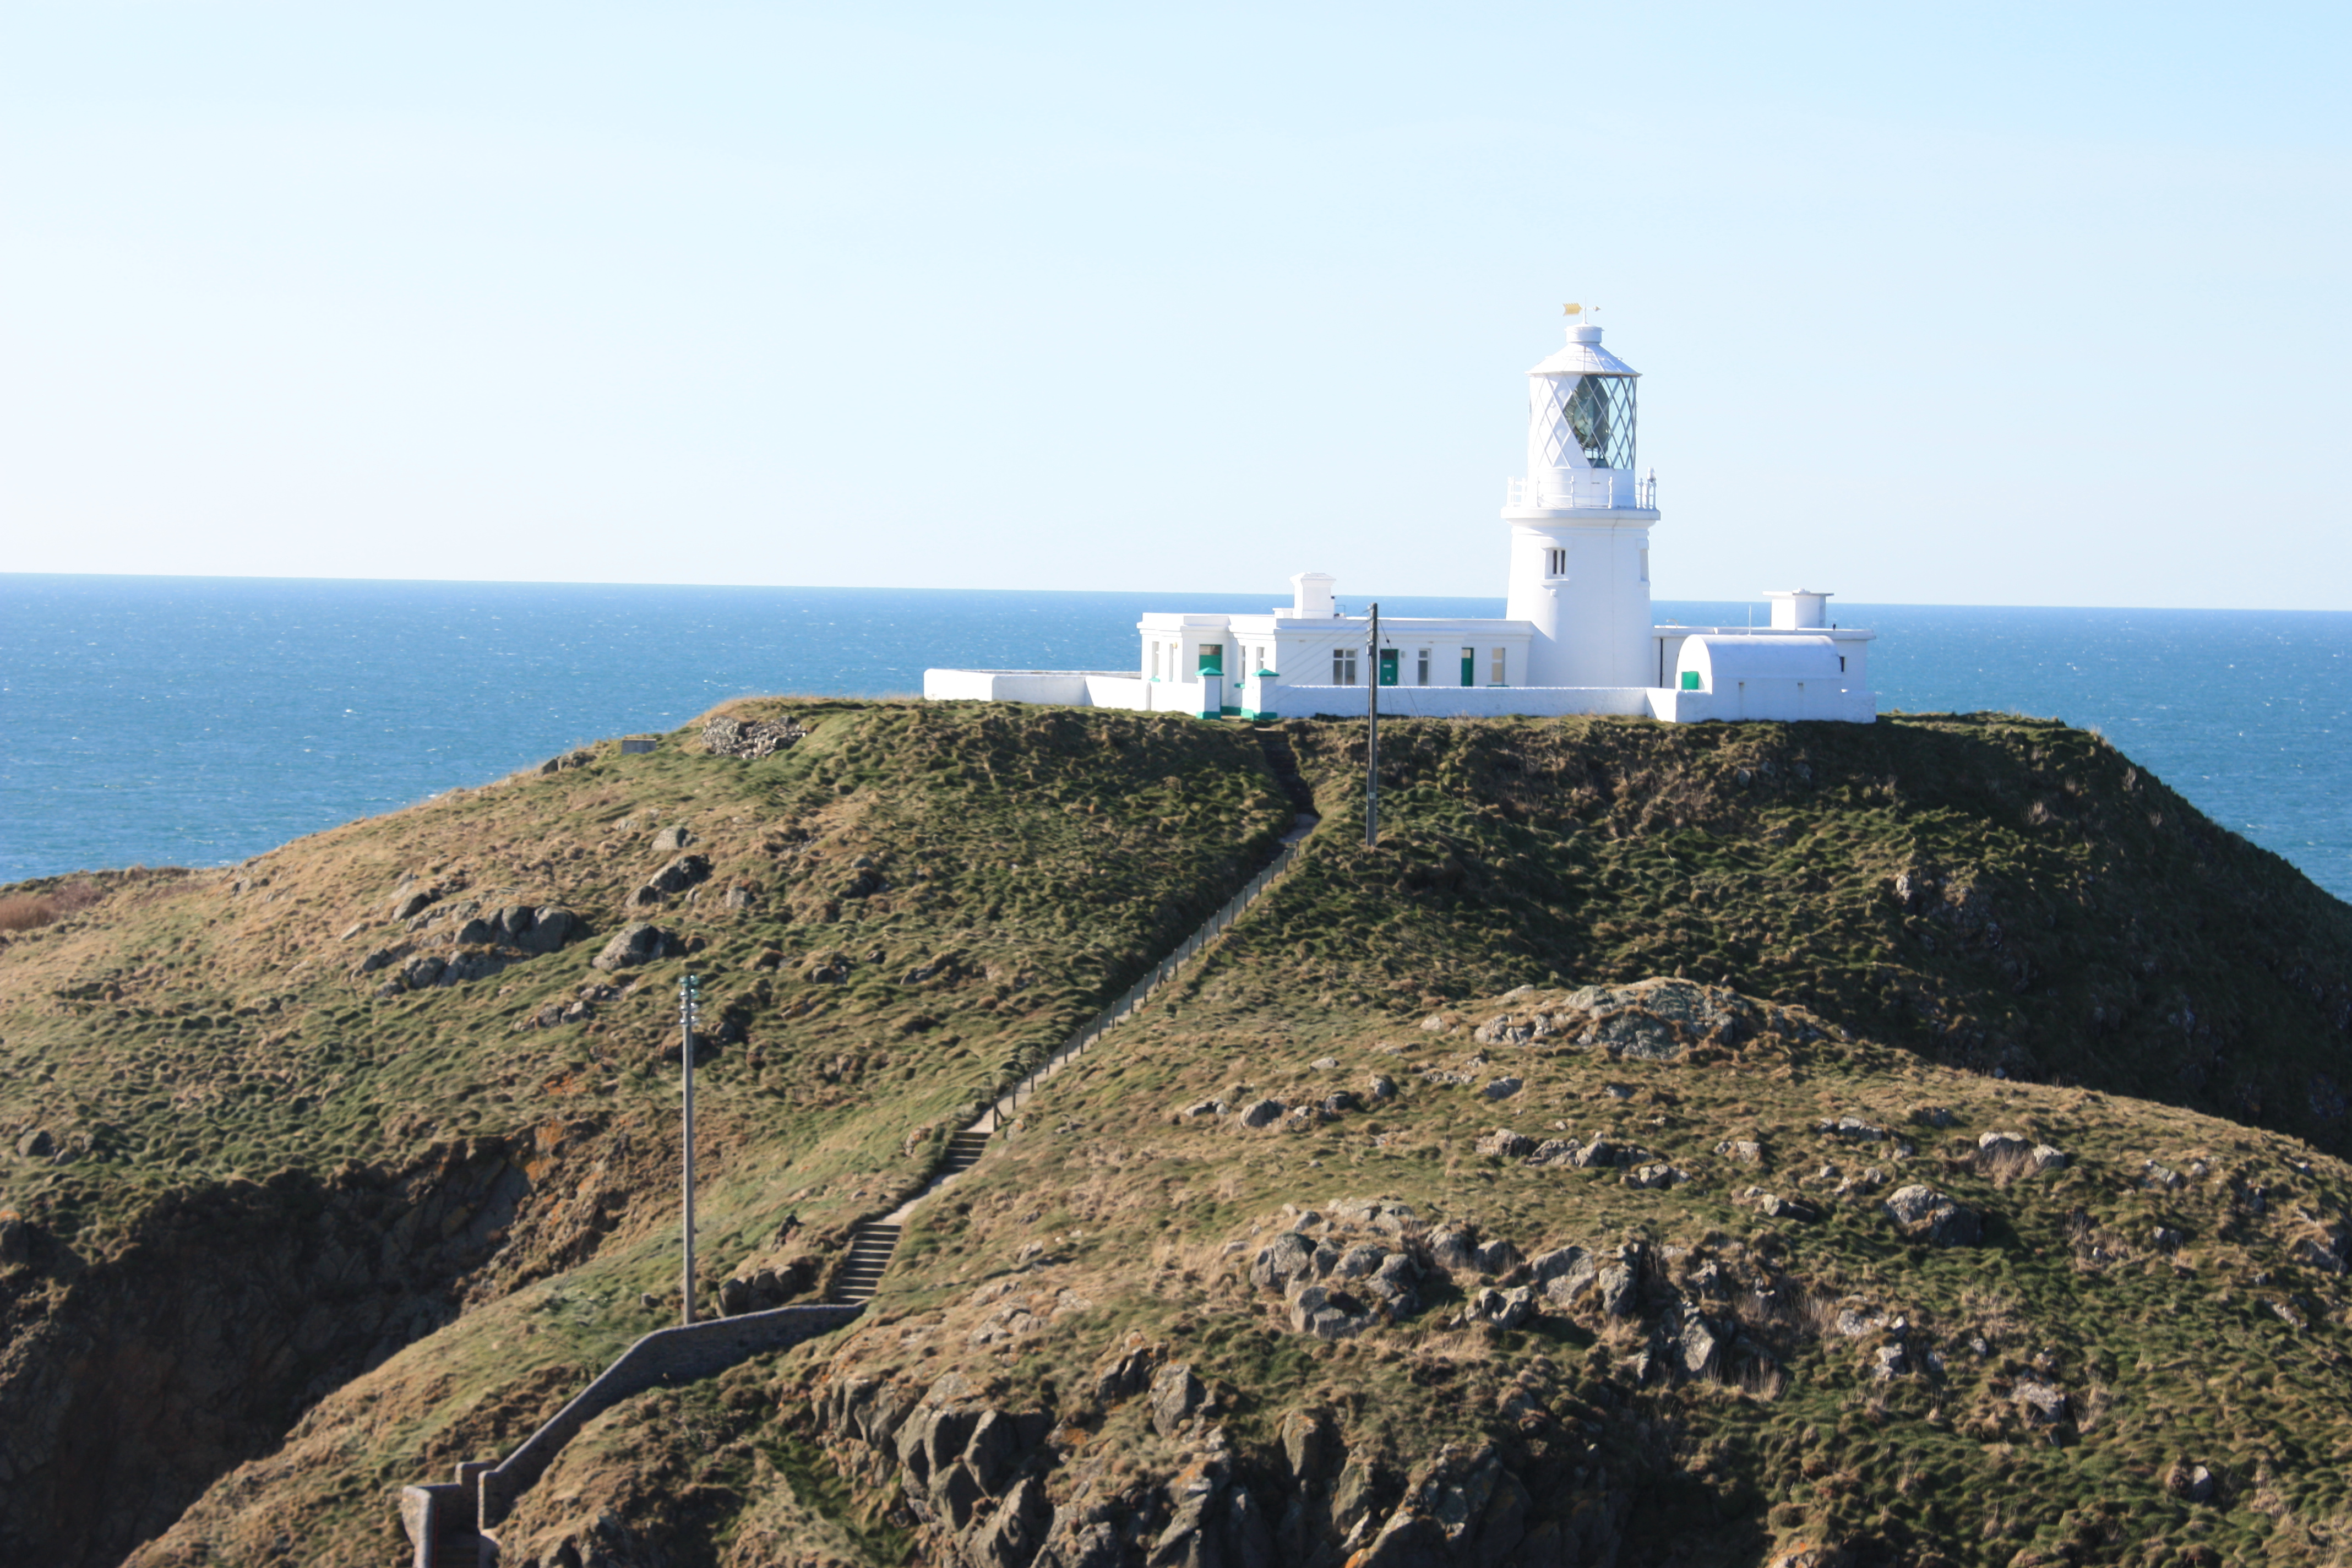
{"type": "Point", "coordinates": [636, 943]}
{"type": "Point", "coordinates": [1126, 1375]}
{"type": "Point", "coordinates": [1617, 1286]}
{"type": "Point", "coordinates": [1888, 1362]}
{"type": "Point", "coordinates": [1016, 1530]}
{"type": "Point", "coordinates": [1502, 1088]}
{"type": "Point", "coordinates": [2003, 1145]}
{"type": "Point", "coordinates": [1701, 1345]}
{"type": "Point", "coordinates": [1176, 1393]}
{"type": "Point", "coordinates": [680, 874]}
{"type": "Point", "coordinates": [671, 839]}
{"type": "Point", "coordinates": [15, 1242]}
{"type": "Point", "coordinates": [1925, 1214]}
{"type": "Point", "coordinates": [1262, 1113]}
{"type": "Point", "coordinates": [422, 971]}
{"type": "Point", "coordinates": [994, 1452]}
{"type": "Point", "coordinates": [954, 1496]}
{"type": "Point", "coordinates": [2046, 1158]}
{"type": "Point", "coordinates": [1326, 1064]}
{"type": "Point", "coordinates": [1854, 1128]}
{"type": "Point", "coordinates": [1380, 1086]}
{"type": "Point", "coordinates": [1504, 1309]}
{"type": "Point", "coordinates": [1794, 1210]}
{"type": "Point", "coordinates": [1280, 1262]}
{"type": "Point", "coordinates": [1394, 1283]}
{"type": "Point", "coordinates": [376, 959]}
{"type": "Point", "coordinates": [1305, 1443]}
{"type": "Point", "coordinates": [734, 1297]}
{"type": "Point", "coordinates": [1556, 1264]}
{"type": "Point", "coordinates": [474, 932]}
{"type": "Point", "coordinates": [1554, 1151]}
{"type": "Point", "coordinates": [407, 906]}
{"type": "Point", "coordinates": [470, 966]}
{"type": "Point", "coordinates": [1498, 1258]}
{"type": "Point", "coordinates": [1361, 1261]}
{"type": "Point", "coordinates": [1652, 1177]}
{"type": "Point", "coordinates": [1505, 1144]}
{"type": "Point", "coordinates": [1339, 1103]}
{"type": "Point", "coordinates": [1456, 1251]}
{"type": "Point", "coordinates": [2040, 1402]}
{"type": "Point", "coordinates": [1747, 1151]}
{"type": "Point", "coordinates": [37, 1144]}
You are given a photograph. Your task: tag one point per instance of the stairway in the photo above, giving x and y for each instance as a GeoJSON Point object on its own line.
{"type": "Point", "coordinates": [455, 1544]}
{"type": "Point", "coordinates": [869, 1255]}
{"type": "Point", "coordinates": [1283, 762]}
{"type": "Point", "coordinates": [963, 1152]}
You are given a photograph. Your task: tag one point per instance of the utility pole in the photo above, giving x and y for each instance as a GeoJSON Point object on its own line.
{"type": "Point", "coordinates": [688, 995]}
{"type": "Point", "coordinates": [1372, 741]}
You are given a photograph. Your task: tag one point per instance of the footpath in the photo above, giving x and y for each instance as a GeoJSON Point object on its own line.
{"type": "Point", "coordinates": [452, 1525]}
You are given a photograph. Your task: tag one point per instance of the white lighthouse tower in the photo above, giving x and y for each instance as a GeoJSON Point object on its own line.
{"type": "Point", "coordinates": [1581, 522]}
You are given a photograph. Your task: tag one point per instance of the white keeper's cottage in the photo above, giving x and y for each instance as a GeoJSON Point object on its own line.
{"type": "Point", "coordinates": [1578, 637]}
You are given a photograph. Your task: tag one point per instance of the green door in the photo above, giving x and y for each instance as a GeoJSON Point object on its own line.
{"type": "Point", "coordinates": [1213, 659]}
{"type": "Point", "coordinates": [1469, 667]}
{"type": "Point", "coordinates": [1388, 666]}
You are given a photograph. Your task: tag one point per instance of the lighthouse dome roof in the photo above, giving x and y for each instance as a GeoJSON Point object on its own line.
{"type": "Point", "coordinates": [1584, 356]}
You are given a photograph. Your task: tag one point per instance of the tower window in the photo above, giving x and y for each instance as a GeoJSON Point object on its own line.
{"type": "Point", "coordinates": [1423, 665]}
{"type": "Point", "coordinates": [1343, 667]}
{"type": "Point", "coordinates": [1645, 565]}
{"type": "Point", "coordinates": [1554, 563]}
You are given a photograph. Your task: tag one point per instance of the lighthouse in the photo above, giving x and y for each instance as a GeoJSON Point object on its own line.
{"type": "Point", "coordinates": [1577, 637]}
{"type": "Point", "coordinates": [1580, 522]}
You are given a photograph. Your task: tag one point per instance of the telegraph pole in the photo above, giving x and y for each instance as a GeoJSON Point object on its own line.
{"type": "Point", "coordinates": [1372, 742]}
{"type": "Point", "coordinates": [688, 996]}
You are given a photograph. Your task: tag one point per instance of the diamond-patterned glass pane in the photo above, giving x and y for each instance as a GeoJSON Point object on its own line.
{"type": "Point", "coordinates": [1594, 416]}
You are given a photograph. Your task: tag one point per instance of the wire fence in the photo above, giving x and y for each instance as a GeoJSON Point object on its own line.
{"type": "Point", "coordinates": [1135, 996]}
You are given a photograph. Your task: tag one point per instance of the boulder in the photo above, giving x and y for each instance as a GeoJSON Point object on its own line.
{"type": "Point", "coordinates": [1285, 1258]}
{"type": "Point", "coordinates": [377, 959]}
{"type": "Point", "coordinates": [1925, 1214]}
{"type": "Point", "coordinates": [409, 905]}
{"type": "Point", "coordinates": [1504, 1309]}
{"type": "Point", "coordinates": [2041, 1403]}
{"type": "Point", "coordinates": [1380, 1086]}
{"type": "Point", "coordinates": [1176, 1393]}
{"type": "Point", "coordinates": [993, 1454]}
{"type": "Point", "coordinates": [1394, 1282]}
{"type": "Point", "coordinates": [636, 943]}
{"type": "Point", "coordinates": [1498, 1258]}
{"type": "Point", "coordinates": [1338, 1104]}
{"type": "Point", "coordinates": [1262, 1113]}
{"type": "Point", "coordinates": [37, 1144]}
{"type": "Point", "coordinates": [680, 874]}
{"type": "Point", "coordinates": [1456, 1251]}
{"type": "Point", "coordinates": [1617, 1288]}
{"type": "Point", "coordinates": [1795, 1210]}
{"type": "Point", "coordinates": [1361, 1261]}
{"type": "Point", "coordinates": [1502, 1088]}
{"type": "Point", "coordinates": [734, 1298]}
{"type": "Point", "coordinates": [1503, 1143]}
{"type": "Point", "coordinates": [422, 971]}
{"type": "Point", "coordinates": [672, 839]}
{"type": "Point", "coordinates": [1013, 1534]}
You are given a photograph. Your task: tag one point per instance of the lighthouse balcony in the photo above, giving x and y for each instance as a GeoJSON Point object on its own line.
{"type": "Point", "coordinates": [1600, 490]}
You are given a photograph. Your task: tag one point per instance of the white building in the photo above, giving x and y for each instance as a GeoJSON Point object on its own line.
{"type": "Point", "coordinates": [1578, 638]}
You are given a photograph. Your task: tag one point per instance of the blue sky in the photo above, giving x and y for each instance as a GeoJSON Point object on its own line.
{"type": "Point", "coordinates": [1997, 304]}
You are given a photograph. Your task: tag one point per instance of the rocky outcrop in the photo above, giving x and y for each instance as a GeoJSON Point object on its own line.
{"type": "Point", "coordinates": [142, 1376]}
{"type": "Point", "coordinates": [636, 944]}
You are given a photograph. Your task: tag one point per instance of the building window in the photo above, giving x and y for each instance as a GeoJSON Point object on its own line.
{"type": "Point", "coordinates": [1498, 667]}
{"type": "Point", "coordinates": [1343, 667]}
{"type": "Point", "coordinates": [1423, 663]}
{"type": "Point", "coordinates": [1554, 563]}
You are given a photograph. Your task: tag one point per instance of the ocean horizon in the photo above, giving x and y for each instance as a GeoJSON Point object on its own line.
{"type": "Point", "coordinates": [199, 720]}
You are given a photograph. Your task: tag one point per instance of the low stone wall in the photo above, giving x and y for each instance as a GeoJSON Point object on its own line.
{"type": "Point", "coordinates": [667, 1355]}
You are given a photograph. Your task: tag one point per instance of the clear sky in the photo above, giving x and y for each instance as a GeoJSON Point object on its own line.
{"type": "Point", "coordinates": [1987, 303]}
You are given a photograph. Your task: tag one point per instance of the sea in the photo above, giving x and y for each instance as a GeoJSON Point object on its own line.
{"type": "Point", "coordinates": [198, 720]}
